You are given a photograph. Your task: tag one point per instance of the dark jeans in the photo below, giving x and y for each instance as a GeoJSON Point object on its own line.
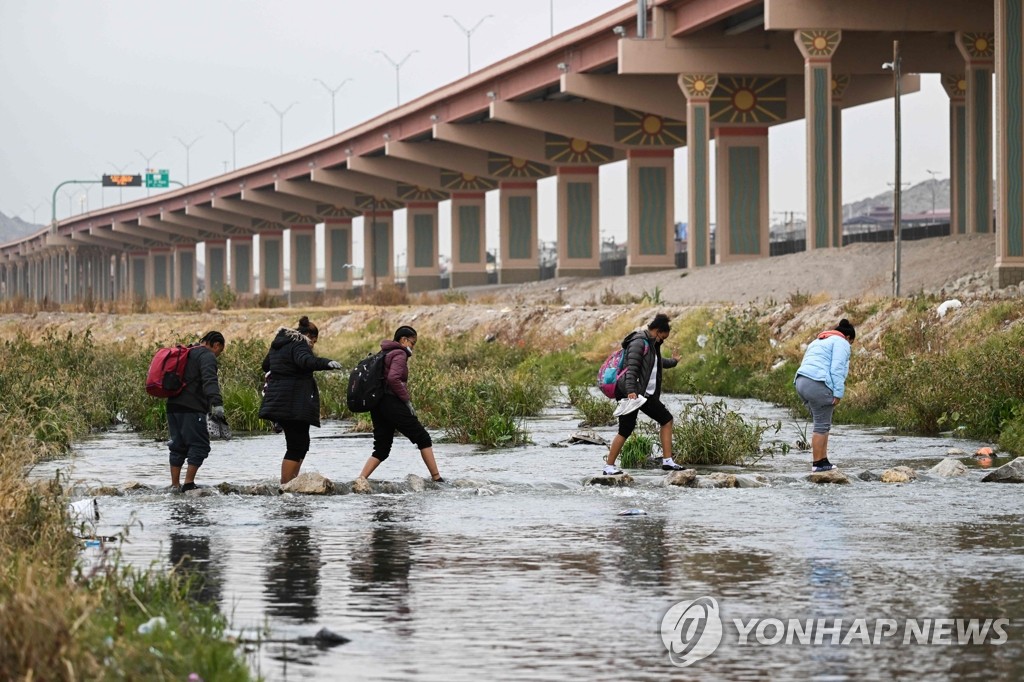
{"type": "Point", "coordinates": [393, 415]}
{"type": "Point", "coordinates": [190, 439]}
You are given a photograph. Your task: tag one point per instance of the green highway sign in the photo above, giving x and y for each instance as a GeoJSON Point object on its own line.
{"type": "Point", "coordinates": [158, 178]}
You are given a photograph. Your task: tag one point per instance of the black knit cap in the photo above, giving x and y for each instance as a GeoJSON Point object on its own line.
{"type": "Point", "coordinates": [846, 329]}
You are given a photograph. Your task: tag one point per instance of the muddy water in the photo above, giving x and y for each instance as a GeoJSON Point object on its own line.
{"type": "Point", "coordinates": [519, 572]}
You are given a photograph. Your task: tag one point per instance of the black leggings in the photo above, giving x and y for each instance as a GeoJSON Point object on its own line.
{"type": "Point", "coordinates": [393, 415]}
{"type": "Point", "coordinates": [296, 439]}
{"type": "Point", "coordinates": [653, 408]}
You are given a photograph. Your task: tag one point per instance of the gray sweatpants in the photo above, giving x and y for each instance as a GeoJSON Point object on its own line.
{"type": "Point", "coordinates": [190, 439]}
{"type": "Point", "coordinates": [817, 398]}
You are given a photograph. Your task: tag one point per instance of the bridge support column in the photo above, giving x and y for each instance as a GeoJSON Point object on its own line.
{"type": "Point", "coordinates": [378, 249]}
{"type": "Point", "coordinates": [1010, 148]}
{"type": "Point", "coordinates": [216, 266]}
{"type": "Point", "coordinates": [469, 257]}
{"type": "Point", "coordinates": [272, 263]}
{"type": "Point", "coordinates": [817, 47]}
{"type": "Point", "coordinates": [137, 275]}
{"type": "Point", "coordinates": [698, 89]}
{"type": "Point", "coordinates": [162, 270]}
{"type": "Point", "coordinates": [423, 273]}
{"type": "Point", "coordinates": [650, 205]}
{"type": "Point", "coordinates": [955, 85]}
{"type": "Point", "coordinates": [517, 232]}
{"type": "Point", "coordinates": [302, 262]}
{"type": "Point", "coordinates": [184, 273]}
{"type": "Point", "coordinates": [240, 248]}
{"type": "Point", "coordinates": [338, 244]}
{"type": "Point", "coordinates": [978, 50]}
{"type": "Point", "coordinates": [579, 248]}
{"type": "Point", "coordinates": [742, 199]}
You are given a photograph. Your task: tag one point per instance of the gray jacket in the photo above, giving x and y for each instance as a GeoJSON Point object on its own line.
{"type": "Point", "coordinates": [202, 390]}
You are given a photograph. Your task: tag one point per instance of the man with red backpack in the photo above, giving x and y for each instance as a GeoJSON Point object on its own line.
{"type": "Point", "coordinates": [643, 366]}
{"type": "Point", "coordinates": [186, 411]}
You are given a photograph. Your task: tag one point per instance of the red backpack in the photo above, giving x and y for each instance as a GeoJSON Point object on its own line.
{"type": "Point", "coordinates": [166, 376]}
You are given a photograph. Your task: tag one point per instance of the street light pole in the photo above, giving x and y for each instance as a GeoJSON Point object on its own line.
{"type": "Point", "coordinates": [552, 14]}
{"type": "Point", "coordinates": [933, 174]}
{"type": "Point", "coordinates": [120, 170]}
{"type": "Point", "coordinates": [188, 149]}
{"type": "Point", "coordinates": [897, 216]}
{"type": "Point", "coordinates": [333, 91]}
{"type": "Point", "coordinates": [149, 161]}
{"type": "Point", "coordinates": [280, 115]}
{"type": "Point", "coordinates": [469, 38]}
{"type": "Point", "coordinates": [233, 131]}
{"type": "Point", "coordinates": [398, 67]}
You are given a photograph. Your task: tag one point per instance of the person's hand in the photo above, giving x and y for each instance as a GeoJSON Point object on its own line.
{"type": "Point", "coordinates": [835, 401]}
{"type": "Point", "coordinates": [631, 396]}
{"type": "Point", "coordinates": [333, 364]}
{"type": "Point", "coordinates": [411, 408]}
{"type": "Point", "coordinates": [217, 411]}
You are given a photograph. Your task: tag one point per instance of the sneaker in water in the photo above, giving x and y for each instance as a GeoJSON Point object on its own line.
{"type": "Point", "coordinates": [613, 471]}
{"type": "Point", "coordinates": [829, 466]}
{"type": "Point", "coordinates": [439, 479]}
{"type": "Point", "coordinates": [671, 466]}
{"type": "Point", "coordinates": [185, 487]}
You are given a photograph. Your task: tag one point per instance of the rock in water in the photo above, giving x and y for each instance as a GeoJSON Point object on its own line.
{"type": "Point", "coordinates": [361, 486]}
{"type": "Point", "coordinates": [1012, 472]}
{"type": "Point", "coordinates": [948, 468]}
{"type": "Point", "coordinates": [900, 474]}
{"type": "Point", "coordinates": [617, 481]}
{"type": "Point", "coordinates": [834, 476]}
{"type": "Point", "coordinates": [309, 483]}
{"type": "Point", "coordinates": [684, 479]}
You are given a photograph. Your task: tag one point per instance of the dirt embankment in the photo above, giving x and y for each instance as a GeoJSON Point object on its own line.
{"type": "Point", "coordinates": [960, 267]}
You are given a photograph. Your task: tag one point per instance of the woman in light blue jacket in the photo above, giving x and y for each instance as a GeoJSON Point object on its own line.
{"type": "Point", "coordinates": [821, 382]}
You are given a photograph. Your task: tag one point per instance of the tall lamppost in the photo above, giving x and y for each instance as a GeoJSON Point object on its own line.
{"type": "Point", "coordinates": [69, 193]}
{"type": "Point", "coordinates": [34, 209]}
{"type": "Point", "coordinates": [552, 14]}
{"type": "Point", "coordinates": [120, 171]}
{"type": "Point", "coordinates": [897, 196]}
{"type": "Point", "coordinates": [933, 174]}
{"type": "Point", "coordinates": [280, 116]}
{"type": "Point", "coordinates": [149, 161]}
{"type": "Point", "coordinates": [188, 149]}
{"type": "Point", "coordinates": [333, 91]}
{"type": "Point", "coordinates": [398, 67]}
{"type": "Point", "coordinates": [469, 38]}
{"type": "Point", "coordinates": [233, 131]}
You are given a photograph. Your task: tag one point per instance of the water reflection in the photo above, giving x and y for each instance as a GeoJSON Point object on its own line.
{"type": "Point", "coordinates": [644, 552]}
{"type": "Point", "coordinates": [190, 554]}
{"type": "Point", "coordinates": [292, 576]}
{"type": "Point", "coordinates": [381, 566]}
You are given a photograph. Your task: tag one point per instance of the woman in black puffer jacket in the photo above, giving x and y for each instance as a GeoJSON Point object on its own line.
{"type": "Point", "coordinates": [291, 397]}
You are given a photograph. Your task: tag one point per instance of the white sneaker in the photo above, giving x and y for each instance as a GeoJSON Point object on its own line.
{"type": "Point", "coordinates": [612, 471]}
{"type": "Point", "coordinates": [627, 405]}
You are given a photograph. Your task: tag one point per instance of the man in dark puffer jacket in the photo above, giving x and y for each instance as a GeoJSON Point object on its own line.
{"type": "Point", "coordinates": [292, 398]}
{"type": "Point", "coordinates": [186, 412]}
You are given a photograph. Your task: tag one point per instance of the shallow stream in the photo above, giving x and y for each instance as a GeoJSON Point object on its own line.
{"type": "Point", "coordinates": [517, 571]}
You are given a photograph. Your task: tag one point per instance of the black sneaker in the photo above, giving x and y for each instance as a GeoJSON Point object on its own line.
{"type": "Point", "coordinates": [827, 466]}
{"type": "Point", "coordinates": [439, 479]}
{"type": "Point", "coordinates": [185, 487]}
{"type": "Point", "coordinates": [671, 466]}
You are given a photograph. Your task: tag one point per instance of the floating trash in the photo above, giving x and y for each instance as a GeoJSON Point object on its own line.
{"type": "Point", "coordinates": [632, 512]}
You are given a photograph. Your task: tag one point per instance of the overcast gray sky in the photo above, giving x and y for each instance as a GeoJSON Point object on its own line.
{"type": "Point", "coordinates": [87, 85]}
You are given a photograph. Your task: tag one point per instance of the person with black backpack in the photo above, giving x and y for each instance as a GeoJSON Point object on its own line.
{"type": "Point", "coordinates": [291, 397]}
{"type": "Point", "coordinates": [186, 411]}
{"type": "Point", "coordinates": [394, 411]}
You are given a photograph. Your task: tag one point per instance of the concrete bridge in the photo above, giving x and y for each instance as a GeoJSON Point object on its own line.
{"type": "Point", "coordinates": [615, 88]}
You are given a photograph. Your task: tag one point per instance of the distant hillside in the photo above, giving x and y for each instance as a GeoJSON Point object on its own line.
{"type": "Point", "coordinates": [915, 199]}
{"type": "Point", "coordinates": [14, 228]}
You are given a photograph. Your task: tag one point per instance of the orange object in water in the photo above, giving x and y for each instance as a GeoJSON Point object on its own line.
{"type": "Point", "coordinates": [983, 452]}
{"type": "Point", "coordinates": [984, 461]}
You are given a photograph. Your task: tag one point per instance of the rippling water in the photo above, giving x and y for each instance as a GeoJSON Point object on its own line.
{"type": "Point", "coordinates": [519, 572]}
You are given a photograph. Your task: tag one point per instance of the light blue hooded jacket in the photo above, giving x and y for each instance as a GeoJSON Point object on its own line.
{"type": "Point", "coordinates": [827, 359]}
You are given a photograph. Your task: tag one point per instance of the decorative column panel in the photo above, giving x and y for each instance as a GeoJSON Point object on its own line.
{"type": "Point", "coordinates": [302, 266]}
{"type": "Point", "coordinates": [517, 232]}
{"type": "Point", "coordinates": [161, 272]}
{"type": "Point", "coordinates": [216, 265]}
{"type": "Point", "coordinates": [74, 294]}
{"type": "Point", "coordinates": [817, 47]}
{"type": "Point", "coordinates": [1010, 141]}
{"type": "Point", "coordinates": [338, 244]}
{"type": "Point", "coordinates": [378, 249]}
{"type": "Point", "coordinates": [698, 89]}
{"type": "Point", "coordinates": [469, 255]}
{"type": "Point", "coordinates": [423, 272]}
{"type": "Point", "coordinates": [650, 210]}
{"type": "Point", "coordinates": [241, 275]}
{"type": "Point", "coordinates": [955, 85]}
{"type": "Point", "coordinates": [978, 50]}
{"type": "Point", "coordinates": [137, 275]}
{"type": "Point", "coordinates": [742, 199]}
{"type": "Point", "coordinates": [184, 272]}
{"type": "Point", "coordinates": [272, 263]}
{"type": "Point", "coordinates": [839, 85]}
{"type": "Point", "coordinates": [579, 242]}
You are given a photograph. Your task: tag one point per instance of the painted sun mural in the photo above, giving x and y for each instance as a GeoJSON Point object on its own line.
{"type": "Point", "coordinates": [979, 45]}
{"type": "Point", "coordinates": [561, 149]}
{"type": "Point", "coordinates": [331, 211]}
{"type": "Point", "coordinates": [648, 130]}
{"type": "Point", "coordinates": [456, 181]}
{"type": "Point", "coordinates": [501, 166]}
{"type": "Point", "coordinates": [820, 43]}
{"type": "Point", "coordinates": [293, 218]}
{"type": "Point", "coordinates": [955, 84]}
{"type": "Point", "coordinates": [408, 192]}
{"type": "Point", "coordinates": [366, 202]}
{"type": "Point", "coordinates": [749, 99]}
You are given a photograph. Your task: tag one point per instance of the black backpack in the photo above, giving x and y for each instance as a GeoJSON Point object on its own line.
{"type": "Point", "coordinates": [366, 383]}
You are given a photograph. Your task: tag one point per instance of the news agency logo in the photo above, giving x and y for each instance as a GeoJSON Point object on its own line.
{"type": "Point", "coordinates": [691, 631]}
